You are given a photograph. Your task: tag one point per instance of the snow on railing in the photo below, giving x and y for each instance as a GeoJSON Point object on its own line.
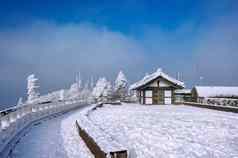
{"type": "Point", "coordinates": [211, 106]}
{"type": "Point", "coordinates": [19, 118]}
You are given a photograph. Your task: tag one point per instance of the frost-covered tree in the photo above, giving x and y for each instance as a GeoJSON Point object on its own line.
{"type": "Point", "coordinates": [52, 96]}
{"type": "Point", "coordinates": [62, 94]}
{"type": "Point", "coordinates": [86, 93]}
{"type": "Point", "coordinates": [20, 102]}
{"type": "Point", "coordinates": [121, 86]}
{"type": "Point", "coordinates": [91, 83]}
{"type": "Point", "coordinates": [85, 90]}
{"type": "Point", "coordinates": [74, 92]}
{"type": "Point", "coordinates": [78, 80]}
{"type": "Point", "coordinates": [99, 89]}
{"type": "Point", "coordinates": [32, 88]}
{"type": "Point", "coordinates": [108, 91]}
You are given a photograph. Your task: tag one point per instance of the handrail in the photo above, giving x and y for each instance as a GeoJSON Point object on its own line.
{"type": "Point", "coordinates": [211, 106]}
{"type": "Point", "coordinates": [16, 120]}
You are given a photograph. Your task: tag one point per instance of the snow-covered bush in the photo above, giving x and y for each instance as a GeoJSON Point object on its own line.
{"type": "Point", "coordinates": [121, 86]}
{"type": "Point", "coordinates": [32, 89]}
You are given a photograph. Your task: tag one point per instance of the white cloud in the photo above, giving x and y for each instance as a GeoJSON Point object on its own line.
{"type": "Point", "coordinates": [56, 52]}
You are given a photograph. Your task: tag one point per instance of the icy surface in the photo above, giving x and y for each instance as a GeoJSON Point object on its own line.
{"type": "Point", "coordinates": [170, 131]}
{"type": "Point", "coordinates": [52, 138]}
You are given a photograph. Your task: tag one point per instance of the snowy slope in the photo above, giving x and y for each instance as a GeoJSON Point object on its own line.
{"type": "Point", "coordinates": [170, 131]}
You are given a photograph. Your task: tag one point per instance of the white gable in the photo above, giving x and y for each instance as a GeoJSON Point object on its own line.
{"type": "Point", "coordinates": [158, 73]}
{"type": "Point", "coordinates": [163, 83]}
{"type": "Point", "coordinates": [153, 84]}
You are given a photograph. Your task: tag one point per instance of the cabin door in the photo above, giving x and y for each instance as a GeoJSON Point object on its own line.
{"type": "Point", "coordinates": [167, 97]}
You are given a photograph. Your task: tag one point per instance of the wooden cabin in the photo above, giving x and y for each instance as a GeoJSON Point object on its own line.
{"type": "Point", "coordinates": [157, 88]}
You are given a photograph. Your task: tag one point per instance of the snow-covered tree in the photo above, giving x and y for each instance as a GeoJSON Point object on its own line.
{"type": "Point", "coordinates": [62, 94]}
{"type": "Point", "coordinates": [20, 102]}
{"type": "Point", "coordinates": [99, 89]}
{"type": "Point", "coordinates": [108, 92]}
{"type": "Point", "coordinates": [52, 96]}
{"type": "Point", "coordinates": [103, 90]}
{"type": "Point", "coordinates": [86, 92]}
{"type": "Point", "coordinates": [121, 86]}
{"type": "Point", "coordinates": [91, 83]}
{"type": "Point", "coordinates": [78, 80]}
{"type": "Point", "coordinates": [32, 88]}
{"type": "Point", "coordinates": [74, 92]}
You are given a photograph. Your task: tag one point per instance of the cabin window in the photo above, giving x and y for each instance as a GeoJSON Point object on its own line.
{"type": "Point", "coordinates": [167, 93]}
{"type": "Point", "coordinates": [167, 96]}
{"type": "Point", "coordinates": [148, 93]}
{"type": "Point", "coordinates": [148, 97]}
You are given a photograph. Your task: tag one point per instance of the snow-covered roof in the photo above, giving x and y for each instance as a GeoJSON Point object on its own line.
{"type": "Point", "coordinates": [182, 91]}
{"type": "Point", "coordinates": [218, 91]}
{"type": "Point", "coordinates": [151, 77]}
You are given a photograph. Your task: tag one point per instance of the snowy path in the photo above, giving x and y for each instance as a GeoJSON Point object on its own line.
{"type": "Point", "coordinates": [47, 140]}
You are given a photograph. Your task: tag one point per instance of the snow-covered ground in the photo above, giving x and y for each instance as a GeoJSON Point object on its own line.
{"type": "Point", "coordinates": [170, 131]}
{"type": "Point", "coordinates": [54, 137]}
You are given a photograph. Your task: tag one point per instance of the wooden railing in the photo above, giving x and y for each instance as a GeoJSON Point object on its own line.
{"type": "Point", "coordinates": [211, 106]}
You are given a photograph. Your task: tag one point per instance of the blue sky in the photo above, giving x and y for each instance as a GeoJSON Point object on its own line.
{"type": "Point", "coordinates": [126, 16]}
{"type": "Point", "coordinates": [56, 39]}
